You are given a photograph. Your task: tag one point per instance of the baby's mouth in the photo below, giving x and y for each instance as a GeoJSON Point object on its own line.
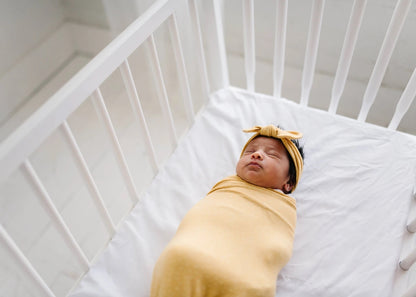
{"type": "Point", "coordinates": [252, 163]}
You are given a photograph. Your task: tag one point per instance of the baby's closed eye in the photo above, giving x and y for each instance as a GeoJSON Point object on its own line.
{"type": "Point", "coordinates": [274, 154]}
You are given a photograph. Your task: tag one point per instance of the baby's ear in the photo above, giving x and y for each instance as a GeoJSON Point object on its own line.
{"type": "Point", "coordinates": [287, 188]}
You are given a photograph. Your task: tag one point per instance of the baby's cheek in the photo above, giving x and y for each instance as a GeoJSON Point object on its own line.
{"type": "Point", "coordinates": [239, 166]}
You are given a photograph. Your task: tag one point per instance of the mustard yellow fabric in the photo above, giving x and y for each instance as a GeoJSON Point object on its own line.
{"type": "Point", "coordinates": [234, 242]}
{"type": "Point", "coordinates": [286, 138]}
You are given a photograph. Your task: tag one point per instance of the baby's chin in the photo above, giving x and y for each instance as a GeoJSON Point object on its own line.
{"type": "Point", "coordinates": [254, 182]}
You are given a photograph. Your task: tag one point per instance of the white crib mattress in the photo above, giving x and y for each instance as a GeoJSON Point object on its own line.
{"type": "Point", "coordinates": [352, 200]}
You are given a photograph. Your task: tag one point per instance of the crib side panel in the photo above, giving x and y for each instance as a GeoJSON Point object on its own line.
{"type": "Point", "coordinates": [352, 58]}
{"type": "Point", "coordinates": [77, 166]}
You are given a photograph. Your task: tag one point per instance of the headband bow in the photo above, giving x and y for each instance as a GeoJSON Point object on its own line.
{"type": "Point", "coordinates": [275, 132]}
{"type": "Point", "coordinates": [286, 138]}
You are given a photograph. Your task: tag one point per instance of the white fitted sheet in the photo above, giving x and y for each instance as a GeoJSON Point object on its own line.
{"type": "Point", "coordinates": [352, 200]}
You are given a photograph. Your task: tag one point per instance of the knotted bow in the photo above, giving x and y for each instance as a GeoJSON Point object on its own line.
{"type": "Point", "coordinates": [286, 138]}
{"type": "Point", "coordinates": [275, 132]}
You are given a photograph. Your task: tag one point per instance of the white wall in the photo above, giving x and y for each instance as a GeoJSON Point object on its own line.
{"type": "Point", "coordinates": [23, 25]}
{"type": "Point", "coordinates": [87, 12]}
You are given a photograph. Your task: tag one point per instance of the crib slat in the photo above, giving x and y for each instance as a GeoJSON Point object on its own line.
{"type": "Point", "coordinates": [138, 111]}
{"type": "Point", "coordinates": [92, 187]}
{"type": "Point", "coordinates": [161, 89]}
{"type": "Point", "coordinates": [408, 261]}
{"type": "Point", "coordinates": [311, 49]}
{"type": "Point", "coordinates": [180, 63]}
{"type": "Point", "coordinates": [411, 227]}
{"type": "Point", "coordinates": [47, 203]}
{"type": "Point", "coordinates": [249, 43]}
{"type": "Point", "coordinates": [102, 112]}
{"type": "Point", "coordinates": [405, 101]}
{"type": "Point", "coordinates": [396, 24]}
{"type": "Point", "coordinates": [196, 26]}
{"type": "Point", "coordinates": [279, 47]}
{"type": "Point", "coordinates": [347, 51]}
{"type": "Point", "coordinates": [219, 34]}
{"type": "Point", "coordinates": [24, 262]}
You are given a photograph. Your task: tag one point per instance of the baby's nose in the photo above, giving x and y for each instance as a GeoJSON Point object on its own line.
{"type": "Point", "coordinates": [257, 155]}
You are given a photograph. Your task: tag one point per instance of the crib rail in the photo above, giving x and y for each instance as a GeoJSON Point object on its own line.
{"type": "Point", "coordinates": [16, 150]}
{"type": "Point", "coordinates": [345, 59]}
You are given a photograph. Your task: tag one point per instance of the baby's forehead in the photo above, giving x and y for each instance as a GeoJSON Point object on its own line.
{"type": "Point", "coordinates": [268, 142]}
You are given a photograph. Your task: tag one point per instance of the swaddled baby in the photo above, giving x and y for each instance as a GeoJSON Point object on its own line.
{"type": "Point", "coordinates": [235, 241]}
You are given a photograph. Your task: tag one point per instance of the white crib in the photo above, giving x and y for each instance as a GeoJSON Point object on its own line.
{"type": "Point", "coordinates": [110, 145]}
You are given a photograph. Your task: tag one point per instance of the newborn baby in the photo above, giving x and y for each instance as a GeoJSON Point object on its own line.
{"type": "Point", "coordinates": [235, 241]}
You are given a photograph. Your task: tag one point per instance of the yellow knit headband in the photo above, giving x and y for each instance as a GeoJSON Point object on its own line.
{"type": "Point", "coordinates": [286, 138]}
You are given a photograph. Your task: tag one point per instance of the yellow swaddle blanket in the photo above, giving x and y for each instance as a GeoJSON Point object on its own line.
{"type": "Point", "coordinates": [233, 242]}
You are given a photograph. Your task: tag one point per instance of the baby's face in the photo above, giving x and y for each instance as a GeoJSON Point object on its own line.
{"type": "Point", "coordinates": [265, 163]}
